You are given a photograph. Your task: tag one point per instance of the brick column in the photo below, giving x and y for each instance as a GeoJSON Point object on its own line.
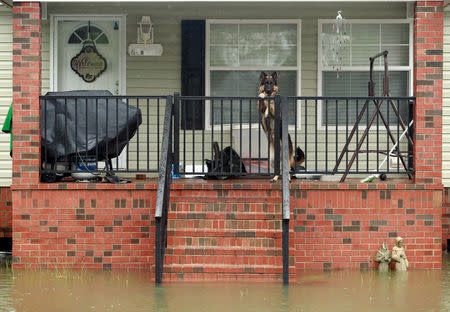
{"type": "Point", "coordinates": [26, 90]}
{"type": "Point", "coordinates": [428, 59]}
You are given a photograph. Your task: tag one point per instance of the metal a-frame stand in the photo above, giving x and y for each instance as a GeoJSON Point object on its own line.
{"type": "Point", "coordinates": [377, 102]}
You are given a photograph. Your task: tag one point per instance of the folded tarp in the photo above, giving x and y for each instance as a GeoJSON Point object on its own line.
{"type": "Point", "coordinates": [75, 125]}
{"type": "Point", "coordinates": [7, 127]}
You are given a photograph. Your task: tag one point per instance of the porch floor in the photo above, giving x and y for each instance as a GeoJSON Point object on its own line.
{"type": "Point", "coordinates": [237, 183]}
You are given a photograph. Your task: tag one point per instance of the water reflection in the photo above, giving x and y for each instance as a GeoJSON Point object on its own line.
{"type": "Point", "coordinates": [70, 290]}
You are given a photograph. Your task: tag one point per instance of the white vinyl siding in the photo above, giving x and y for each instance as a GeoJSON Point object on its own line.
{"type": "Point", "coordinates": [5, 91]}
{"type": "Point", "coordinates": [446, 104]}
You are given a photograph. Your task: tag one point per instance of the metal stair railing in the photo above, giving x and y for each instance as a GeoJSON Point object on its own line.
{"type": "Point", "coordinates": [285, 182]}
{"type": "Point", "coordinates": [163, 193]}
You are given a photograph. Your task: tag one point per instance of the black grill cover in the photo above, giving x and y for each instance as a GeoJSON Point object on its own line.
{"type": "Point", "coordinates": [117, 124]}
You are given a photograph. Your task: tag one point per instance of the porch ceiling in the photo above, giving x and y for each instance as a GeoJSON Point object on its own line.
{"type": "Point", "coordinates": [231, 9]}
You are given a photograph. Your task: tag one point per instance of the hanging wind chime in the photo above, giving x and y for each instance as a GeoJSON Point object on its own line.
{"type": "Point", "coordinates": [339, 43]}
{"type": "Point", "coordinates": [89, 63]}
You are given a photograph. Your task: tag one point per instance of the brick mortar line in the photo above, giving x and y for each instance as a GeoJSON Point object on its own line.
{"type": "Point", "coordinates": [226, 186]}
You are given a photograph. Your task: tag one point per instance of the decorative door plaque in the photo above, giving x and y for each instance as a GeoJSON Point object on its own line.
{"type": "Point", "coordinates": [88, 64]}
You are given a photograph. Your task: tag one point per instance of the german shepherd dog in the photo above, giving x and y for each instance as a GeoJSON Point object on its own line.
{"type": "Point", "coordinates": [268, 87]}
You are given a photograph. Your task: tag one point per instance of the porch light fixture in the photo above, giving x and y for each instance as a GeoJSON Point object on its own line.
{"type": "Point", "coordinates": [145, 45]}
{"type": "Point", "coordinates": [145, 30]}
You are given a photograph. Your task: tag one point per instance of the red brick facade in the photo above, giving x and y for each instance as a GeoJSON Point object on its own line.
{"type": "Point", "coordinates": [5, 212]}
{"type": "Point", "coordinates": [225, 230]}
{"type": "Point", "coordinates": [84, 228]}
{"type": "Point", "coordinates": [26, 91]}
{"type": "Point", "coordinates": [338, 228]}
{"type": "Point", "coordinates": [446, 218]}
{"type": "Point", "coordinates": [233, 230]}
{"type": "Point", "coordinates": [428, 59]}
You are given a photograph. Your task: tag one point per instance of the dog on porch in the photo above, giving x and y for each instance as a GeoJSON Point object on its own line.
{"type": "Point", "coordinates": [268, 87]}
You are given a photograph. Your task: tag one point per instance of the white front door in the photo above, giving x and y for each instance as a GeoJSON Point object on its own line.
{"type": "Point", "coordinates": [70, 34]}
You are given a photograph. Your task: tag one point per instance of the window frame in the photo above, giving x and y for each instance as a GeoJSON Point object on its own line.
{"type": "Point", "coordinates": [209, 68]}
{"type": "Point", "coordinates": [102, 32]}
{"type": "Point", "coordinates": [403, 68]}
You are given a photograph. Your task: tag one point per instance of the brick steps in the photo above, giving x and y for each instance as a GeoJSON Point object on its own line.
{"type": "Point", "coordinates": [236, 251]}
{"type": "Point", "coordinates": [212, 242]}
{"type": "Point", "coordinates": [223, 268]}
{"type": "Point", "coordinates": [222, 205]}
{"type": "Point", "coordinates": [218, 260]}
{"type": "Point", "coordinates": [226, 215]}
{"type": "Point", "coordinates": [231, 234]}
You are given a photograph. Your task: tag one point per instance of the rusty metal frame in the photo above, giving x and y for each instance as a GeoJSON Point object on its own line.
{"type": "Point", "coordinates": [377, 103]}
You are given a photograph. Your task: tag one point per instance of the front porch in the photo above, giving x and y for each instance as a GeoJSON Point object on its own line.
{"type": "Point", "coordinates": [232, 229]}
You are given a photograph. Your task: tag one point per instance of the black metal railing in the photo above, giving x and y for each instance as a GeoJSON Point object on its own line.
{"type": "Point", "coordinates": [100, 133]}
{"type": "Point", "coordinates": [337, 135]}
{"type": "Point", "coordinates": [163, 193]}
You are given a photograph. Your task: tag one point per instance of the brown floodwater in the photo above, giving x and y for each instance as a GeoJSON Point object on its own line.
{"type": "Point", "coordinates": [67, 290]}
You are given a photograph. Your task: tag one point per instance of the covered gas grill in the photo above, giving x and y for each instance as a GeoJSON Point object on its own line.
{"type": "Point", "coordinates": [88, 126]}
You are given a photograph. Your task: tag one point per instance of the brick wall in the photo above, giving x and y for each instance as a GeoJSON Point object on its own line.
{"type": "Point", "coordinates": [428, 58]}
{"type": "Point", "coordinates": [225, 230]}
{"type": "Point", "coordinates": [446, 218]}
{"type": "Point", "coordinates": [338, 228]}
{"type": "Point", "coordinates": [5, 212]}
{"type": "Point", "coordinates": [26, 91]}
{"type": "Point", "coordinates": [233, 230]}
{"type": "Point", "coordinates": [84, 228]}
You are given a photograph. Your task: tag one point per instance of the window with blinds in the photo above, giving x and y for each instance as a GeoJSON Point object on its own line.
{"type": "Point", "coordinates": [237, 52]}
{"type": "Point", "coordinates": [344, 65]}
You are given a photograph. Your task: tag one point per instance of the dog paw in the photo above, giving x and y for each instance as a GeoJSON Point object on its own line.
{"type": "Point", "coordinates": [261, 95]}
{"type": "Point", "coordinates": [275, 178]}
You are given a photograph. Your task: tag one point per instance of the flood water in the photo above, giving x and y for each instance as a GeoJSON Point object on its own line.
{"type": "Point", "coordinates": [67, 290]}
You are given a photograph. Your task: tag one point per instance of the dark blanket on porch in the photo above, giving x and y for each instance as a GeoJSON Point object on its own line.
{"type": "Point", "coordinates": [69, 125]}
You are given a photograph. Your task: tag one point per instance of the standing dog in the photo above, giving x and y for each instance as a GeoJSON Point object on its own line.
{"type": "Point", "coordinates": [268, 87]}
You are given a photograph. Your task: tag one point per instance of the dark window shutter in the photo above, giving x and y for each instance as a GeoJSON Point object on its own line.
{"type": "Point", "coordinates": [192, 73]}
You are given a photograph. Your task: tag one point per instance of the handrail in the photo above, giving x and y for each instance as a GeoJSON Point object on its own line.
{"type": "Point", "coordinates": [163, 192]}
{"type": "Point", "coordinates": [165, 156]}
{"type": "Point", "coordinates": [286, 190]}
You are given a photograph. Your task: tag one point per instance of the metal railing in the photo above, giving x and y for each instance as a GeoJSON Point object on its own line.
{"type": "Point", "coordinates": [335, 135]}
{"type": "Point", "coordinates": [163, 193]}
{"type": "Point", "coordinates": [97, 133]}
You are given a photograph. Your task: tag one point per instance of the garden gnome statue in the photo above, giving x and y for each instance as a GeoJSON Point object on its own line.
{"type": "Point", "coordinates": [383, 258]}
{"type": "Point", "coordinates": [399, 256]}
